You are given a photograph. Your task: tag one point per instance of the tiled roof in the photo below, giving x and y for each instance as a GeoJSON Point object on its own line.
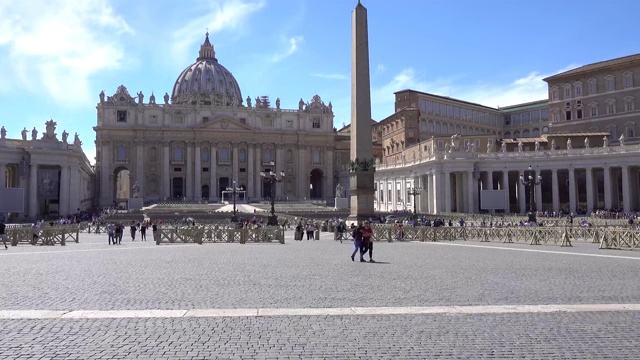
{"type": "Point", "coordinates": [596, 66]}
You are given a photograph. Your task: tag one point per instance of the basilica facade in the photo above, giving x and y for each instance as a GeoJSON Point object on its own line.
{"type": "Point", "coordinates": [205, 138]}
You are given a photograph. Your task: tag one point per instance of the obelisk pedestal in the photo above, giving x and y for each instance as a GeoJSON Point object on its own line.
{"type": "Point", "coordinates": [361, 182]}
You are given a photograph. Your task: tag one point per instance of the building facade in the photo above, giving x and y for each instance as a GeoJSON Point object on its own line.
{"type": "Point", "coordinates": [198, 141]}
{"type": "Point", "coordinates": [582, 141]}
{"type": "Point", "coordinates": [55, 174]}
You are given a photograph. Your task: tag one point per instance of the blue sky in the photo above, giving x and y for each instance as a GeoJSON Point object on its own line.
{"type": "Point", "coordinates": [56, 55]}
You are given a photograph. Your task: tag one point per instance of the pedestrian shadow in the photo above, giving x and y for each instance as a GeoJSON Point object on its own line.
{"type": "Point", "coordinates": [379, 262]}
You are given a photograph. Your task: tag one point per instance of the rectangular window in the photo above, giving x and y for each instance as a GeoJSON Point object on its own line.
{"type": "Point", "coordinates": [579, 90]}
{"type": "Point", "coordinates": [611, 108]}
{"type": "Point", "coordinates": [121, 116]}
{"type": "Point", "coordinates": [627, 81]}
{"type": "Point", "coordinates": [592, 87]}
{"type": "Point", "coordinates": [554, 94]}
{"type": "Point", "coordinates": [628, 106]}
{"type": "Point", "coordinates": [389, 194]}
{"type": "Point", "coordinates": [579, 114]}
{"type": "Point", "coordinates": [567, 92]}
{"type": "Point", "coordinates": [554, 117]}
{"type": "Point", "coordinates": [177, 169]}
{"type": "Point", "coordinates": [205, 169]}
{"type": "Point", "coordinates": [594, 111]}
{"type": "Point", "coordinates": [316, 123]}
{"type": "Point", "coordinates": [205, 119]}
{"type": "Point", "coordinates": [630, 132]}
{"type": "Point", "coordinates": [610, 84]}
{"type": "Point", "coordinates": [567, 115]}
{"type": "Point", "coordinates": [243, 170]}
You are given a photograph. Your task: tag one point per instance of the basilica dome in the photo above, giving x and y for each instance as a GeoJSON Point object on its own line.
{"type": "Point", "coordinates": [206, 81]}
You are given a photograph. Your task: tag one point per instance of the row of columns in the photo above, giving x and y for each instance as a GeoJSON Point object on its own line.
{"type": "Point", "coordinates": [438, 195]}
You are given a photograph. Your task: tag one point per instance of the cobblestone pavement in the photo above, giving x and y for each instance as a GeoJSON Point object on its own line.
{"type": "Point", "coordinates": [312, 274]}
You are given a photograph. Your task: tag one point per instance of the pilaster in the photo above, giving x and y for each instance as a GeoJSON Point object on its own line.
{"type": "Point", "coordinates": [198, 172]}
{"type": "Point", "coordinates": [572, 191]}
{"type": "Point", "coordinates": [607, 188]}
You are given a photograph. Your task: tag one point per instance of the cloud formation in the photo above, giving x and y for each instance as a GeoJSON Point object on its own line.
{"type": "Point", "coordinates": [334, 76]}
{"type": "Point", "coordinates": [293, 47]}
{"type": "Point", "coordinates": [57, 45]}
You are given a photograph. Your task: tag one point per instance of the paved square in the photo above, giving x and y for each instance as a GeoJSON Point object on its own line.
{"type": "Point", "coordinates": [449, 300]}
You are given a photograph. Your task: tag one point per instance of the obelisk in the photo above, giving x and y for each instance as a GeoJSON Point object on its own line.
{"type": "Point", "coordinates": [361, 168]}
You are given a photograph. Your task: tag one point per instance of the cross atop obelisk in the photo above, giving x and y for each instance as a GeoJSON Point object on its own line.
{"type": "Point", "coordinates": [361, 187]}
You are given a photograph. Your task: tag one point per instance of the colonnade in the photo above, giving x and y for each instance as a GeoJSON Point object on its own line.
{"type": "Point", "coordinates": [579, 189]}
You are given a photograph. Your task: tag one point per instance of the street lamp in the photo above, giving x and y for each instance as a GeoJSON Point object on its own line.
{"type": "Point", "coordinates": [413, 192]}
{"type": "Point", "coordinates": [272, 179]}
{"type": "Point", "coordinates": [234, 190]}
{"type": "Point", "coordinates": [531, 181]}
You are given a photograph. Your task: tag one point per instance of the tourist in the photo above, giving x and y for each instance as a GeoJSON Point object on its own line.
{"type": "Point", "coordinates": [154, 229]}
{"type": "Point", "coordinates": [119, 232]}
{"type": "Point", "coordinates": [134, 228]}
{"type": "Point", "coordinates": [309, 231]}
{"type": "Point", "coordinates": [35, 229]}
{"type": "Point", "coordinates": [299, 231]}
{"type": "Point", "coordinates": [111, 232]}
{"type": "Point", "coordinates": [2, 236]}
{"type": "Point", "coordinates": [357, 242]}
{"type": "Point", "coordinates": [143, 231]}
{"type": "Point", "coordinates": [367, 242]}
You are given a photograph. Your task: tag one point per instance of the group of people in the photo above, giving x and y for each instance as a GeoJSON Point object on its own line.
{"type": "Point", "coordinates": [362, 241]}
{"type": "Point", "coordinates": [115, 231]}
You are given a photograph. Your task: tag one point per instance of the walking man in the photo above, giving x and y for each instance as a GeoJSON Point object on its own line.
{"type": "Point", "coordinates": [367, 241]}
{"type": "Point", "coordinates": [357, 243]}
{"type": "Point", "coordinates": [134, 228]}
{"type": "Point", "coordinates": [143, 231]}
{"type": "Point", "coordinates": [2, 235]}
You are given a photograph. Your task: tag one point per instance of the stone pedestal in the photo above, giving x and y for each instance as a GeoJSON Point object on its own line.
{"type": "Point", "coordinates": [341, 203]}
{"type": "Point", "coordinates": [135, 204]}
{"type": "Point", "coordinates": [362, 194]}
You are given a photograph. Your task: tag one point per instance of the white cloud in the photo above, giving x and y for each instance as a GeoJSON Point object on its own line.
{"type": "Point", "coordinates": [379, 69]}
{"type": "Point", "coordinates": [333, 76]}
{"type": "Point", "coordinates": [224, 15]}
{"type": "Point", "coordinates": [54, 46]}
{"type": "Point", "coordinates": [293, 47]}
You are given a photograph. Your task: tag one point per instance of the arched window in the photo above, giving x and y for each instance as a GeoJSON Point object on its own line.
{"type": "Point", "coordinates": [205, 154]}
{"type": "Point", "coordinates": [267, 155]}
{"type": "Point", "coordinates": [289, 156]}
{"type": "Point", "coordinates": [178, 153]}
{"type": "Point", "coordinates": [224, 153]}
{"type": "Point", "coordinates": [242, 155]}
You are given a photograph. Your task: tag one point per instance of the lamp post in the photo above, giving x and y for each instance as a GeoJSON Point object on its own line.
{"type": "Point", "coordinates": [413, 192]}
{"type": "Point", "coordinates": [272, 179]}
{"type": "Point", "coordinates": [234, 190]}
{"type": "Point", "coordinates": [531, 181]}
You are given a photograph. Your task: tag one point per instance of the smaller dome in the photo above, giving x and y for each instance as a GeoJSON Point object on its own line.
{"type": "Point", "coordinates": [206, 79]}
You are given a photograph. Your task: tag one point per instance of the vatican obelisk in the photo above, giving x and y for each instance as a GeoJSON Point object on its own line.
{"type": "Point", "coordinates": [361, 169]}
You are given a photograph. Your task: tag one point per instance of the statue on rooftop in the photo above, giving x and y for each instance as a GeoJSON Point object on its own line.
{"type": "Point", "coordinates": [34, 134]}
{"type": "Point", "coordinates": [278, 103]}
{"type": "Point", "coordinates": [152, 99]}
{"type": "Point", "coordinates": [301, 104]}
{"type": "Point", "coordinates": [166, 98]}
{"type": "Point", "coordinates": [65, 135]}
{"type": "Point", "coordinates": [3, 133]}
{"type": "Point", "coordinates": [101, 96]}
{"type": "Point", "coordinates": [248, 101]}
{"type": "Point", "coordinates": [24, 134]}
{"type": "Point", "coordinates": [140, 97]}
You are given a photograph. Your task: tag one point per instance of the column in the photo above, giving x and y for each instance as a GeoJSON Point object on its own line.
{"type": "Point", "coordinates": [522, 197]}
{"type": "Point", "coordinates": [626, 191]}
{"type": "Point", "coordinates": [280, 167]}
{"type": "Point", "coordinates": [250, 171]}
{"type": "Point", "coordinates": [63, 197]}
{"type": "Point", "coordinates": [166, 162]}
{"type": "Point", "coordinates": [303, 176]}
{"type": "Point", "coordinates": [447, 192]}
{"type": "Point", "coordinates": [189, 177]}
{"type": "Point", "coordinates": [607, 188]}
{"type": "Point", "coordinates": [77, 192]}
{"type": "Point", "coordinates": [471, 199]}
{"type": "Point", "coordinates": [140, 167]}
{"type": "Point", "coordinates": [489, 180]}
{"type": "Point", "coordinates": [572, 191]}
{"type": "Point", "coordinates": [555, 191]}
{"type": "Point", "coordinates": [538, 191]}
{"type": "Point", "coordinates": [590, 193]}
{"type": "Point", "coordinates": [213, 173]}
{"type": "Point", "coordinates": [330, 178]}
{"type": "Point", "coordinates": [105, 173]}
{"type": "Point", "coordinates": [436, 191]}
{"type": "Point", "coordinates": [234, 164]}
{"type": "Point", "coordinates": [258, 178]}
{"type": "Point", "coordinates": [3, 174]}
{"type": "Point", "coordinates": [505, 186]}
{"type": "Point", "coordinates": [198, 172]}
{"type": "Point", "coordinates": [33, 191]}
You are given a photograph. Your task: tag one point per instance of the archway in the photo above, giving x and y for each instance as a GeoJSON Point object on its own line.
{"type": "Point", "coordinates": [315, 187]}
{"type": "Point", "coordinates": [121, 186]}
{"type": "Point", "coordinates": [205, 192]}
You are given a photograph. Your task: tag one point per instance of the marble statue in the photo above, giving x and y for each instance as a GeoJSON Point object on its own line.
{"type": "Point", "coordinates": [586, 142]}
{"type": "Point", "coordinates": [278, 103]}
{"type": "Point", "coordinates": [152, 99]}
{"type": "Point", "coordinates": [34, 134]}
{"type": "Point", "coordinates": [520, 146]}
{"type": "Point", "coordinates": [65, 135]}
{"type": "Point", "coordinates": [489, 146]}
{"type": "Point", "coordinates": [621, 140]}
{"type": "Point", "coordinates": [24, 134]}
{"type": "Point", "coordinates": [553, 144]}
{"type": "Point", "coordinates": [339, 191]}
{"type": "Point", "coordinates": [166, 98]}
{"type": "Point", "coordinates": [3, 133]}
{"type": "Point", "coordinates": [447, 147]}
{"type": "Point", "coordinates": [537, 146]}
{"type": "Point", "coordinates": [569, 144]}
{"type": "Point", "coordinates": [300, 104]}
{"type": "Point", "coordinates": [140, 97]}
{"type": "Point", "coordinates": [258, 103]}
{"type": "Point", "coordinates": [76, 140]}
{"type": "Point", "coordinates": [504, 147]}
{"type": "Point", "coordinates": [330, 106]}
{"type": "Point", "coordinates": [102, 96]}
{"type": "Point", "coordinates": [248, 101]}
{"type": "Point", "coordinates": [605, 141]}
{"type": "Point", "coordinates": [135, 189]}
{"type": "Point", "coordinates": [50, 130]}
